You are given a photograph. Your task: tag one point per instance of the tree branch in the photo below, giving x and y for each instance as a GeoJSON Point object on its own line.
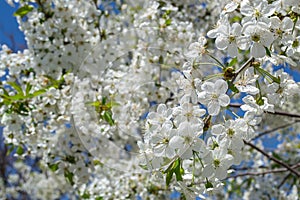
{"type": "Point", "coordinates": [274, 129]}
{"type": "Point", "coordinates": [281, 113]}
{"type": "Point", "coordinates": [284, 180]}
{"type": "Point", "coordinates": [289, 168]}
{"type": "Point", "coordinates": [244, 66]}
{"type": "Point", "coordinates": [279, 170]}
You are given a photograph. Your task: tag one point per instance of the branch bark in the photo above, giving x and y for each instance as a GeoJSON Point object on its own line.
{"type": "Point", "coordinates": [274, 129]}
{"type": "Point", "coordinates": [281, 113]}
{"type": "Point", "coordinates": [289, 168]}
{"type": "Point", "coordinates": [279, 170]}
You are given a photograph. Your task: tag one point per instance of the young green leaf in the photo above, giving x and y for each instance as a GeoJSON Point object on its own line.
{"type": "Point", "coordinates": [28, 88]}
{"type": "Point", "coordinates": [53, 167]}
{"type": "Point", "coordinates": [19, 150]}
{"type": "Point", "coordinates": [17, 87]}
{"type": "Point", "coordinates": [24, 10]}
{"type": "Point", "coordinates": [69, 176]}
{"type": "Point", "coordinates": [268, 52]}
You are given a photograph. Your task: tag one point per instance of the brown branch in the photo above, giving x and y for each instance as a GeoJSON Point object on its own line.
{"type": "Point", "coordinates": [281, 113]}
{"type": "Point", "coordinates": [244, 66]}
{"type": "Point", "coordinates": [274, 129]}
{"type": "Point", "coordinates": [279, 170]}
{"type": "Point", "coordinates": [284, 180]}
{"type": "Point", "coordinates": [289, 168]}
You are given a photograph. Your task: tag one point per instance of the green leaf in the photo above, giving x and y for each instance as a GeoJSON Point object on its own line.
{"type": "Point", "coordinates": [17, 87]}
{"type": "Point", "coordinates": [86, 195]}
{"type": "Point", "coordinates": [53, 167]}
{"type": "Point", "coordinates": [95, 103]}
{"type": "Point", "coordinates": [107, 116]}
{"type": "Point", "coordinates": [55, 83]}
{"type": "Point", "coordinates": [28, 88]}
{"type": "Point", "coordinates": [99, 198]}
{"type": "Point", "coordinates": [233, 62]}
{"type": "Point", "coordinates": [38, 92]}
{"type": "Point", "coordinates": [69, 176]}
{"type": "Point", "coordinates": [103, 101]}
{"type": "Point", "coordinates": [260, 101]}
{"type": "Point", "coordinates": [168, 22]}
{"type": "Point", "coordinates": [161, 59]}
{"type": "Point", "coordinates": [16, 97]}
{"type": "Point", "coordinates": [169, 177]}
{"type": "Point", "coordinates": [111, 104]}
{"type": "Point", "coordinates": [235, 19]}
{"type": "Point", "coordinates": [276, 155]}
{"type": "Point", "coordinates": [268, 52]}
{"type": "Point", "coordinates": [175, 167]}
{"type": "Point", "coordinates": [24, 10]}
{"type": "Point", "coordinates": [70, 159]}
{"type": "Point", "coordinates": [20, 150]}
{"type": "Point", "coordinates": [232, 87]}
{"type": "Point", "coordinates": [208, 185]}
{"type": "Point", "coordinates": [265, 73]}
{"type": "Point", "coordinates": [178, 171]}
{"type": "Point", "coordinates": [97, 162]}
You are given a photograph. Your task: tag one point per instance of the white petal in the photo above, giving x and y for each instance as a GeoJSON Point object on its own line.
{"type": "Point", "coordinates": [287, 24]}
{"type": "Point", "coordinates": [176, 142]}
{"type": "Point", "coordinates": [221, 173]}
{"type": "Point", "coordinates": [208, 171]}
{"type": "Point", "coordinates": [213, 108]}
{"type": "Point", "coordinates": [257, 50]}
{"type": "Point", "coordinates": [236, 29]}
{"type": "Point", "coordinates": [222, 42]}
{"type": "Point", "coordinates": [213, 33]}
{"type": "Point", "coordinates": [224, 100]}
{"type": "Point", "coordinates": [218, 129]}
{"type": "Point", "coordinates": [232, 50]}
{"type": "Point", "coordinates": [246, 10]}
{"type": "Point", "coordinates": [161, 108]}
{"type": "Point", "coordinates": [221, 86]}
{"type": "Point", "coordinates": [170, 152]}
{"type": "Point", "coordinates": [243, 42]}
{"type": "Point", "coordinates": [203, 98]}
{"type": "Point", "coordinates": [208, 86]}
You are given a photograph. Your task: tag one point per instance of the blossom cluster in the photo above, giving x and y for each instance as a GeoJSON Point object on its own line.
{"type": "Point", "coordinates": [124, 100]}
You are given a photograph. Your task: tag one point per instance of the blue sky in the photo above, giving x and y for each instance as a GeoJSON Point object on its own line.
{"type": "Point", "coordinates": [9, 31]}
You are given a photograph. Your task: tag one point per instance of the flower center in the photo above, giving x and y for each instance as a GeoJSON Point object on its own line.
{"type": "Point", "coordinates": [230, 132]}
{"type": "Point", "coordinates": [295, 44]}
{"type": "Point", "coordinates": [217, 162]}
{"type": "Point", "coordinates": [231, 38]}
{"type": "Point", "coordinates": [214, 96]}
{"type": "Point", "coordinates": [255, 38]}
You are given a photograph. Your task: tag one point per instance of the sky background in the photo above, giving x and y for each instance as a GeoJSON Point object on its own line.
{"type": "Point", "coordinates": [9, 31]}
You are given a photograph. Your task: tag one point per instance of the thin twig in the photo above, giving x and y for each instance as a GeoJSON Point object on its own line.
{"type": "Point", "coordinates": [245, 65]}
{"type": "Point", "coordinates": [274, 129]}
{"type": "Point", "coordinates": [281, 113]}
{"type": "Point", "coordinates": [247, 168]}
{"type": "Point", "coordinates": [284, 180]}
{"type": "Point", "coordinates": [273, 159]}
{"type": "Point", "coordinates": [279, 170]}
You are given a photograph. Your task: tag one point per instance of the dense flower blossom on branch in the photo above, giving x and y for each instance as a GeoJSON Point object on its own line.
{"type": "Point", "coordinates": [149, 100]}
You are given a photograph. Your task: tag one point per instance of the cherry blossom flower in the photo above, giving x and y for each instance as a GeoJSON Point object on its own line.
{"type": "Point", "coordinates": [187, 112]}
{"type": "Point", "coordinates": [227, 37]}
{"type": "Point", "coordinates": [197, 49]}
{"type": "Point", "coordinates": [258, 37]}
{"type": "Point", "coordinates": [186, 139]}
{"type": "Point", "coordinates": [217, 163]}
{"type": "Point", "coordinates": [214, 96]}
{"type": "Point", "coordinates": [245, 81]}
